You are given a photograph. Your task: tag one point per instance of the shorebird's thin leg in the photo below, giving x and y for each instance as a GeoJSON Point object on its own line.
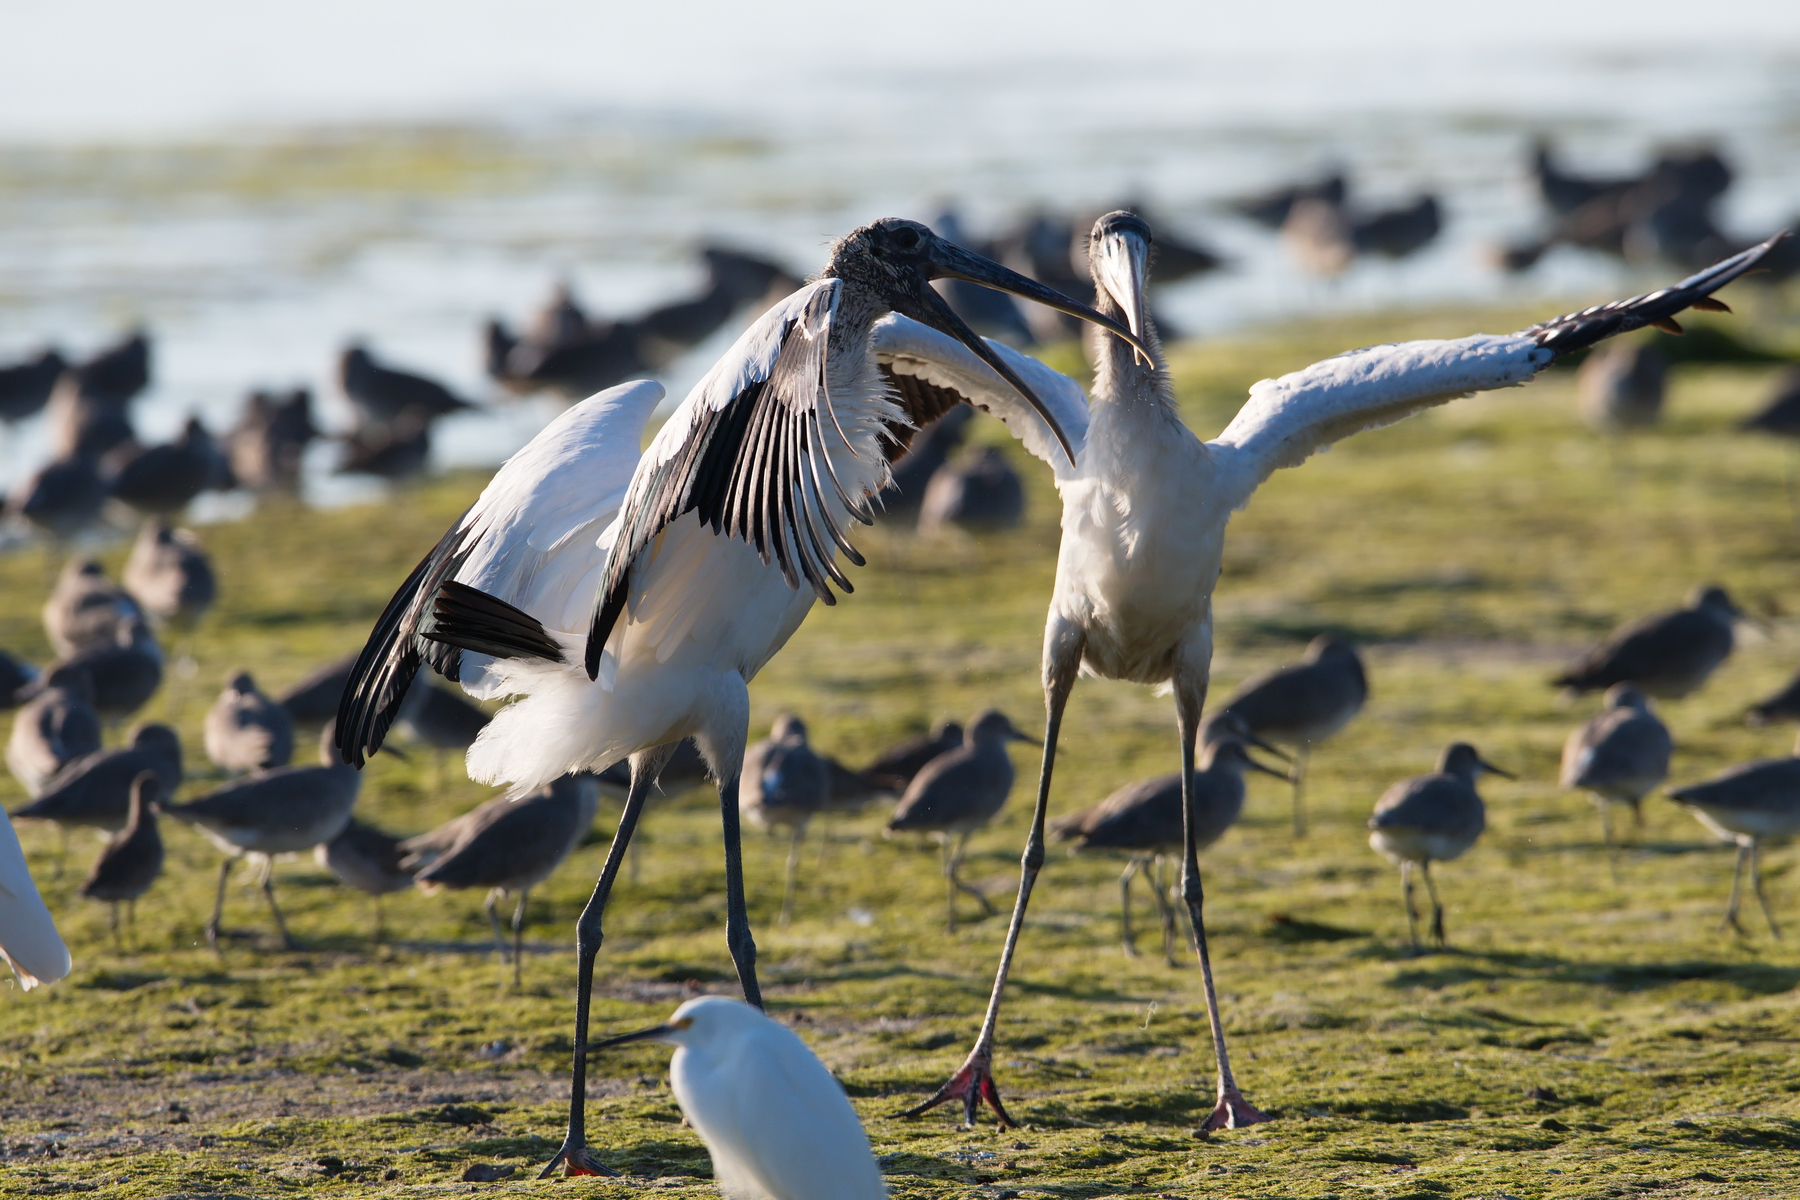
{"type": "Point", "coordinates": [793, 869]}
{"type": "Point", "coordinates": [574, 1157]}
{"type": "Point", "coordinates": [519, 936]}
{"type": "Point", "coordinates": [1437, 906]}
{"type": "Point", "coordinates": [1131, 868]}
{"type": "Point", "coordinates": [974, 1080]}
{"type": "Point", "coordinates": [1757, 882]}
{"type": "Point", "coordinates": [1612, 846]}
{"type": "Point", "coordinates": [1165, 908]}
{"type": "Point", "coordinates": [62, 835]}
{"type": "Point", "coordinates": [1412, 915]}
{"type": "Point", "coordinates": [488, 906]}
{"type": "Point", "coordinates": [949, 869]}
{"type": "Point", "coordinates": [1737, 877]}
{"type": "Point", "coordinates": [212, 926]}
{"type": "Point", "coordinates": [380, 921]}
{"type": "Point", "coordinates": [268, 891]}
{"type": "Point", "coordinates": [115, 923]}
{"type": "Point", "coordinates": [737, 912]}
{"type": "Point", "coordinates": [1301, 758]}
{"type": "Point", "coordinates": [1232, 1110]}
{"type": "Point", "coordinates": [956, 879]}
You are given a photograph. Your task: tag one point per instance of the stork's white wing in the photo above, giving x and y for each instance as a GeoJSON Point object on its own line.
{"type": "Point", "coordinates": [934, 372]}
{"type": "Point", "coordinates": [29, 943]}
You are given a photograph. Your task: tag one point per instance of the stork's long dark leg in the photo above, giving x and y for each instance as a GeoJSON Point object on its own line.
{"type": "Point", "coordinates": [737, 912]}
{"type": "Point", "coordinates": [1232, 1110]}
{"type": "Point", "coordinates": [1131, 868]}
{"type": "Point", "coordinates": [1437, 906]}
{"type": "Point", "coordinates": [212, 926]}
{"type": "Point", "coordinates": [1756, 881]}
{"type": "Point", "coordinates": [974, 1080]}
{"type": "Point", "coordinates": [519, 936]}
{"type": "Point", "coordinates": [268, 891]}
{"type": "Point", "coordinates": [574, 1157]}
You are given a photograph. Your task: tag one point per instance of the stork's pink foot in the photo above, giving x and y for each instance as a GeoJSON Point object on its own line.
{"type": "Point", "coordinates": [1233, 1112]}
{"type": "Point", "coordinates": [972, 1085]}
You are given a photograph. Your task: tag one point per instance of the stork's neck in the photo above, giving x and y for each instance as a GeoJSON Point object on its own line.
{"type": "Point", "coordinates": [1119, 378]}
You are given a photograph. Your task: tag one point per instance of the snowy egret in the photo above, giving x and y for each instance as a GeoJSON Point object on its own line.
{"type": "Point", "coordinates": [29, 943]}
{"type": "Point", "coordinates": [1621, 755]}
{"type": "Point", "coordinates": [774, 1119]}
{"type": "Point", "coordinates": [1666, 654]}
{"type": "Point", "coordinates": [1746, 804]}
{"type": "Point", "coordinates": [1431, 818]}
{"type": "Point", "coordinates": [627, 596]}
{"type": "Point", "coordinates": [1146, 503]}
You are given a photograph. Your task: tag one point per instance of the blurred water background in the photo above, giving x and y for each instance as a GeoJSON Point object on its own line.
{"type": "Point", "coordinates": [256, 187]}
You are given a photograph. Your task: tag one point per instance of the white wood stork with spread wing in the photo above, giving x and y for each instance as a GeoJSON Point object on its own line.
{"type": "Point", "coordinates": [627, 599]}
{"type": "Point", "coordinates": [1145, 504]}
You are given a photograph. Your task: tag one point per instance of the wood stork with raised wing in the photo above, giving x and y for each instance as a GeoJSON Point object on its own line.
{"type": "Point", "coordinates": [1144, 513]}
{"type": "Point", "coordinates": [628, 598]}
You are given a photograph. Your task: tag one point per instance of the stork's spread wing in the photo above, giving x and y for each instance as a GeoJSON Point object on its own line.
{"type": "Point", "coordinates": [933, 373]}
{"type": "Point", "coordinates": [757, 451]}
{"type": "Point", "coordinates": [522, 559]}
{"type": "Point", "coordinates": [1286, 420]}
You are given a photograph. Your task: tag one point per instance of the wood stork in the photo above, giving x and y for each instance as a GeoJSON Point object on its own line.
{"type": "Point", "coordinates": [29, 943]}
{"type": "Point", "coordinates": [627, 597]}
{"type": "Point", "coordinates": [1146, 503]}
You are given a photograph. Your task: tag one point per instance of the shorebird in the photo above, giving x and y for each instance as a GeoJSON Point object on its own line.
{"type": "Point", "coordinates": [25, 385]}
{"type": "Point", "coordinates": [1144, 820]}
{"type": "Point", "coordinates": [782, 785]}
{"type": "Point", "coordinates": [1784, 705]}
{"type": "Point", "coordinates": [1621, 755]}
{"type": "Point", "coordinates": [133, 859]}
{"type": "Point", "coordinates": [125, 673]}
{"type": "Point", "coordinates": [1431, 818]}
{"type": "Point", "coordinates": [63, 497]}
{"type": "Point", "coordinates": [94, 790]}
{"type": "Point", "coordinates": [1302, 704]}
{"type": "Point", "coordinates": [55, 726]}
{"type": "Point", "coordinates": [85, 608]}
{"type": "Point", "coordinates": [396, 449]}
{"type": "Point", "coordinates": [367, 859]}
{"type": "Point", "coordinates": [163, 480]}
{"type": "Point", "coordinates": [895, 767]}
{"type": "Point", "coordinates": [284, 811]}
{"type": "Point", "coordinates": [1146, 504]}
{"type": "Point", "coordinates": [1621, 387]}
{"type": "Point", "coordinates": [507, 845]}
{"type": "Point", "coordinates": [170, 575]}
{"type": "Point", "coordinates": [1780, 413]}
{"type": "Point", "coordinates": [382, 394]}
{"type": "Point", "coordinates": [1745, 805]}
{"type": "Point", "coordinates": [980, 492]}
{"type": "Point", "coordinates": [15, 674]}
{"type": "Point", "coordinates": [931, 449]}
{"type": "Point", "coordinates": [246, 731]}
{"type": "Point", "coordinates": [1667, 654]}
{"type": "Point", "coordinates": [1271, 209]}
{"type": "Point", "coordinates": [266, 446]}
{"type": "Point", "coordinates": [959, 792]}
{"type": "Point", "coordinates": [440, 718]}
{"type": "Point", "coordinates": [314, 700]}
{"type": "Point", "coordinates": [29, 943]}
{"type": "Point", "coordinates": [707, 550]}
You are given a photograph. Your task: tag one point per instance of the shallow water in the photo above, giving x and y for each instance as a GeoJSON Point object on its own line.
{"type": "Point", "coordinates": [252, 251]}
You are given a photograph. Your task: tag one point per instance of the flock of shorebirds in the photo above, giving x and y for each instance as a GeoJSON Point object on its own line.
{"type": "Point", "coordinates": [622, 598]}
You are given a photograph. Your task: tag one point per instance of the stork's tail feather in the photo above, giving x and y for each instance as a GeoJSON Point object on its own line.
{"type": "Point", "coordinates": [1579, 330]}
{"type": "Point", "coordinates": [472, 620]}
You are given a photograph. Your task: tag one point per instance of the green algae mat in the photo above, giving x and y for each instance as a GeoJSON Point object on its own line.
{"type": "Point", "coordinates": [1583, 1036]}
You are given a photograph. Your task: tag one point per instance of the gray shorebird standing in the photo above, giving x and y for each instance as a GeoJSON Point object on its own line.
{"type": "Point", "coordinates": [1143, 819]}
{"type": "Point", "coordinates": [782, 786]}
{"type": "Point", "coordinates": [507, 845]}
{"type": "Point", "coordinates": [53, 728]}
{"type": "Point", "coordinates": [895, 767]}
{"type": "Point", "coordinates": [125, 672]}
{"type": "Point", "coordinates": [1784, 705]}
{"type": "Point", "coordinates": [1144, 513]}
{"type": "Point", "coordinates": [1668, 654]}
{"type": "Point", "coordinates": [1620, 755]}
{"type": "Point", "coordinates": [85, 608]}
{"type": "Point", "coordinates": [246, 731]}
{"type": "Point", "coordinates": [979, 491]}
{"type": "Point", "coordinates": [94, 791]}
{"type": "Point", "coordinates": [367, 859]}
{"type": "Point", "coordinates": [314, 700]}
{"type": "Point", "coordinates": [959, 792]}
{"type": "Point", "coordinates": [170, 575]}
{"type": "Point", "coordinates": [1302, 704]}
{"type": "Point", "coordinates": [133, 859]}
{"type": "Point", "coordinates": [1431, 818]}
{"type": "Point", "coordinates": [1621, 388]}
{"type": "Point", "coordinates": [1746, 804]}
{"type": "Point", "coordinates": [284, 811]}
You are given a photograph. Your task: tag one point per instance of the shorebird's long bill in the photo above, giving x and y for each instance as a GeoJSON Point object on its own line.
{"type": "Point", "coordinates": [1268, 770]}
{"type": "Point", "coordinates": [1491, 769]}
{"type": "Point", "coordinates": [656, 1033]}
{"type": "Point", "coordinates": [1122, 262]}
{"type": "Point", "coordinates": [1250, 739]}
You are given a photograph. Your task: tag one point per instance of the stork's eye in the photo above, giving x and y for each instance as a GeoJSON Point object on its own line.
{"type": "Point", "coordinates": [906, 237]}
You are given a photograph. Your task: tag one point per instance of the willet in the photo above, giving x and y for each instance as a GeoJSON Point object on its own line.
{"type": "Point", "coordinates": [29, 943]}
{"type": "Point", "coordinates": [83, 424]}
{"type": "Point", "coordinates": [164, 480]}
{"type": "Point", "coordinates": [1667, 654]}
{"type": "Point", "coordinates": [25, 385]}
{"type": "Point", "coordinates": [15, 674]}
{"type": "Point", "coordinates": [397, 449]}
{"type": "Point", "coordinates": [440, 718]}
{"type": "Point", "coordinates": [382, 394]}
{"type": "Point", "coordinates": [1144, 820]}
{"type": "Point", "coordinates": [246, 731]}
{"type": "Point", "coordinates": [116, 373]}
{"type": "Point", "coordinates": [367, 859]}
{"type": "Point", "coordinates": [94, 790]}
{"type": "Point", "coordinates": [1431, 818]}
{"type": "Point", "coordinates": [503, 610]}
{"type": "Point", "coordinates": [895, 767]}
{"type": "Point", "coordinates": [1780, 414]}
{"type": "Point", "coordinates": [170, 574]}
{"type": "Point", "coordinates": [1746, 804]}
{"type": "Point", "coordinates": [1784, 705]}
{"type": "Point", "coordinates": [506, 846]}
{"type": "Point", "coordinates": [1621, 387]}
{"type": "Point", "coordinates": [1145, 506]}
{"type": "Point", "coordinates": [125, 674]}
{"type": "Point", "coordinates": [133, 859]}
{"type": "Point", "coordinates": [314, 700]}
{"type": "Point", "coordinates": [1271, 209]}
{"type": "Point", "coordinates": [959, 792]}
{"type": "Point", "coordinates": [269, 441]}
{"type": "Point", "coordinates": [783, 785]}
{"type": "Point", "coordinates": [1621, 756]}
{"type": "Point", "coordinates": [283, 811]}
{"type": "Point", "coordinates": [1302, 704]}
{"type": "Point", "coordinates": [931, 449]}
{"type": "Point", "coordinates": [85, 608]}
{"type": "Point", "coordinates": [63, 497]}
{"type": "Point", "coordinates": [55, 726]}
{"type": "Point", "coordinates": [980, 492]}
